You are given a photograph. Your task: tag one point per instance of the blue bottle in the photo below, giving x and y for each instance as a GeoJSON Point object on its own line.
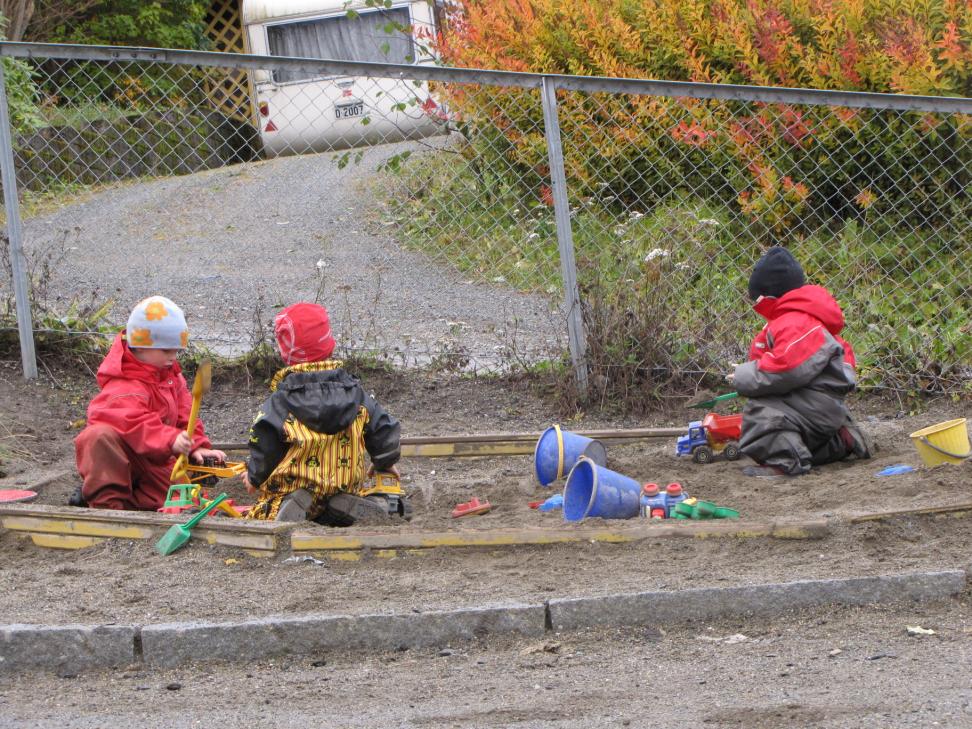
{"type": "Point", "coordinates": [673, 495]}
{"type": "Point", "coordinates": [653, 505]}
{"type": "Point", "coordinates": [554, 502]}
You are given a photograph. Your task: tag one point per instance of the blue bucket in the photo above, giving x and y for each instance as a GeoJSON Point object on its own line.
{"type": "Point", "coordinates": [558, 450]}
{"type": "Point", "coordinates": [593, 490]}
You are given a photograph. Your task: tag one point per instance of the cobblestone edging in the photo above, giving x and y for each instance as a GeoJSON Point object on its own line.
{"type": "Point", "coordinates": [73, 648]}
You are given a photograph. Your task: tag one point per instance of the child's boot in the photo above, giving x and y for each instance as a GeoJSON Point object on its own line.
{"type": "Point", "coordinates": [77, 498]}
{"type": "Point", "coordinates": [344, 509]}
{"type": "Point", "coordinates": [294, 506]}
{"type": "Point", "coordinates": [857, 442]}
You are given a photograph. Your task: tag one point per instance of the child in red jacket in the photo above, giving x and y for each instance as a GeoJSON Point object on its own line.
{"type": "Point", "coordinates": [798, 374]}
{"type": "Point", "coordinates": [136, 424]}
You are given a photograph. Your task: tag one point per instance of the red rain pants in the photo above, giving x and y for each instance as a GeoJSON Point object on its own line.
{"type": "Point", "coordinates": [114, 476]}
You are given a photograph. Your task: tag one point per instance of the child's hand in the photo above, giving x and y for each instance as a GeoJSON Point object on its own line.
{"type": "Point", "coordinates": [200, 453]}
{"type": "Point", "coordinates": [732, 375]}
{"type": "Point", "coordinates": [391, 469]}
{"type": "Point", "coordinates": [181, 445]}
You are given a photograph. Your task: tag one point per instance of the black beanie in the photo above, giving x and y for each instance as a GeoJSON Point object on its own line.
{"type": "Point", "coordinates": [775, 273]}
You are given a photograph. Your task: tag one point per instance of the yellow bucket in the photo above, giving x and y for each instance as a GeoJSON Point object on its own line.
{"type": "Point", "coordinates": [946, 442]}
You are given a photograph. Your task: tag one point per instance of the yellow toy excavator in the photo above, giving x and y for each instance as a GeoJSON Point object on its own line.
{"type": "Point", "coordinates": [388, 488]}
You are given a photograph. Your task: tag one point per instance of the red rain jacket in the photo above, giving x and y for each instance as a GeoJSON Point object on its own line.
{"type": "Point", "coordinates": [149, 406]}
{"type": "Point", "coordinates": [796, 379]}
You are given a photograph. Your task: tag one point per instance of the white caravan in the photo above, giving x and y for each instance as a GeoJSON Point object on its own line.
{"type": "Point", "coordinates": [297, 112]}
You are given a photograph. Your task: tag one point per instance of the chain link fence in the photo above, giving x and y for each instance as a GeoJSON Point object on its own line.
{"type": "Point", "coordinates": [142, 176]}
{"type": "Point", "coordinates": [438, 212]}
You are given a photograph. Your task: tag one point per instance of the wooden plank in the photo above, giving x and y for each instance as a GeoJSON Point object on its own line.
{"type": "Point", "coordinates": [456, 450]}
{"type": "Point", "coordinates": [64, 541]}
{"type": "Point", "coordinates": [250, 542]}
{"type": "Point", "coordinates": [502, 443]}
{"type": "Point", "coordinates": [106, 518]}
{"type": "Point", "coordinates": [923, 510]}
{"type": "Point", "coordinates": [48, 525]}
{"type": "Point", "coordinates": [65, 527]}
{"type": "Point", "coordinates": [488, 448]}
{"type": "Point", "coordinates": [317, 542]}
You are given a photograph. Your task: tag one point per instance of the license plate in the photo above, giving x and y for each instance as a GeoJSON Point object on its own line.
{"type": "Point", "coordinates": [346, 111]}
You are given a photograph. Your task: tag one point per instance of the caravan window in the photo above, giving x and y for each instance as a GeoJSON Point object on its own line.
{"type": "Point", "coordinates": [371, 36]}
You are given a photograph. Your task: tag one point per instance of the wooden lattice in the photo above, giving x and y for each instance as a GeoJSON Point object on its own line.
{"type": "Point", "coordinates": [228, 89]}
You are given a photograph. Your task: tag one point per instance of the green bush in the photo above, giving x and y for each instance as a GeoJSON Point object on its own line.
{"type": "Point", "coordinates": [22, 94]}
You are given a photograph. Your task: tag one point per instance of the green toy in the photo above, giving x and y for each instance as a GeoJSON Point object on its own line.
{"type": "Point", "coordinates": [712, 401]}
{"type": "Point", "coordinates": [695, 509]}
{"type": "Point", "coordinates": [179, 498]}
{"type": "Point", "coordinates": [179, 534]}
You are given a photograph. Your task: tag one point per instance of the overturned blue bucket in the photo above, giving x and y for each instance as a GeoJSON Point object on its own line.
{"type": "Point", "coordinates": [593, 490]}
{"type": "Point", "coordinates": [558, 450]}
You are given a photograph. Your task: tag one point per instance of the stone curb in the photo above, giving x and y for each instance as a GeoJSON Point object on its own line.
{"type": "Point", "coordinates": [71, 648]}
{"type": "Point", "coordinates": [66, 649]}
{"type": "Point", "coordinates": [177, 643]}
{"type": "Point", "coordinates": [770, 599]}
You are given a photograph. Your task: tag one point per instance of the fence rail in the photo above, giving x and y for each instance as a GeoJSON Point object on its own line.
{"type": "Point", "coordinates": [498, 217]}
{"type": "Point", "coordinates": [517, 79]}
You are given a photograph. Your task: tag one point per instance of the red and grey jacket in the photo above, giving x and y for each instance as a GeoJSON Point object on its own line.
{"type": "Point", "coordinates": [799, 347]}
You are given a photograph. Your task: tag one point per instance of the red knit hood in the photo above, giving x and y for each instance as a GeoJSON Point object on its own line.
{"type": "Point", "coordinates": [121, 363]}
{"type": "Point", "coordinates": [812, 300]}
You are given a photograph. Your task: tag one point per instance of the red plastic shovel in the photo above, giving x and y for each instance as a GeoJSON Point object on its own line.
{"type": "Point", "coordinates": [9, 496]}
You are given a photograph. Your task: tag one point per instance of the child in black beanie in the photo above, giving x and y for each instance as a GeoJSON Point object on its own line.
{"type": "Point", "coordinates": [798, 374]}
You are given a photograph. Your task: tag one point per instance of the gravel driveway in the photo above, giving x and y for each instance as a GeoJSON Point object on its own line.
{"type": "Point", "coordinates": [250, 238]}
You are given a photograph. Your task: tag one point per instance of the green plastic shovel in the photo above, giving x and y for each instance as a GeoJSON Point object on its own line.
{"type": "Point", "coordinates": [179, 534]}
{"type": "Point", "coordinates": [713, 401]}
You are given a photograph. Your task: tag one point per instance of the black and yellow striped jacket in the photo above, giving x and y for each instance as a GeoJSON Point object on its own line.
{"type": "Point", "coordinates": [314, 428]}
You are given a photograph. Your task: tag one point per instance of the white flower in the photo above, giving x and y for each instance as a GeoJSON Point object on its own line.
{"type": "Point", "coordinates": [656, 253]}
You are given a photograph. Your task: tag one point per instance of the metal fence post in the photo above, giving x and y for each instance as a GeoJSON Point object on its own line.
{"type": "Point", "coordinates": [15, 236]}
{"type": "Point", "coordinates": [565, 238]}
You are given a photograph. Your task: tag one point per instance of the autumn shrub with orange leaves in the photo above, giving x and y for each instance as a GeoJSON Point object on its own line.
{"type": "Point", "coordinates": [784, 167]}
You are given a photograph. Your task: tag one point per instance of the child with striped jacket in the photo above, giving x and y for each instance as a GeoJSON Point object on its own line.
{"type": "Point", "coordinates": [309, 439]}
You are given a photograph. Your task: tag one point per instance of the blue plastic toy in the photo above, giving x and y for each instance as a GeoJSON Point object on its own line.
{"type": "Point", "coordinates": [654, 502]}
{"type": "Point", "coordinates": [896, 470]}
{"type": "Point", "coordinates": [554, 502]}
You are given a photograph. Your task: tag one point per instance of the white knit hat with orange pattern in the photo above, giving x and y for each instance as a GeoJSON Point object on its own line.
{"type": "Point", "coordinates": [157, 323]}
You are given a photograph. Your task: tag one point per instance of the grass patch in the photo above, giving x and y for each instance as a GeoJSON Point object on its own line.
{"type": "Point", "coordinates": [81, 115]}
{"type": "Point", "coordinates": [59, 194]}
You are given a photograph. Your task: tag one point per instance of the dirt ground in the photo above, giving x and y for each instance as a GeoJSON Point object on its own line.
{"type": "Point", "coordinates": [126, 581]}
{"type": "Point", "coordinates": [850, 667]}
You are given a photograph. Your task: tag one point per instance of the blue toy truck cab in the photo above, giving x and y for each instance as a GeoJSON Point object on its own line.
{"type": "Point", "coordinates": [714, 434]}
{"type": "Point", "coordinates": [688, 443]}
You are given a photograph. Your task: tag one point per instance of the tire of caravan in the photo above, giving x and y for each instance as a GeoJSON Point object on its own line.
{"type": "Point", "coordinates": [298, 113]}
